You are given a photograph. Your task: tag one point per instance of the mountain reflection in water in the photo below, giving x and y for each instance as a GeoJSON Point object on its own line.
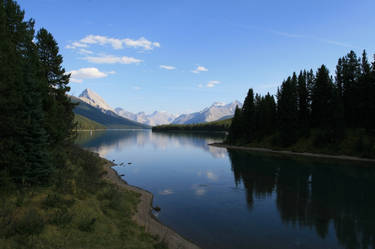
{"type": "Point", "coordinates": [233, 199]}
{"type": "Point", "coordinates": [104, 141]}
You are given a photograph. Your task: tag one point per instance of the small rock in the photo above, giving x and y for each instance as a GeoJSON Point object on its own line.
{"type": "Point", "coordinates": [157, 209]}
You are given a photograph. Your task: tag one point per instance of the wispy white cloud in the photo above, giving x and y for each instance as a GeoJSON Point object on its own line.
{"type": "Point", "coordinates": [141, 43]}
{"type": "Point", "coordinates": [213, 83]}
{"type": "Point", "coordinates": [167, 67]}
{"type": "Point", "coordinates": [111, 59]}
{"type": "Point", "coordinates": [200, 69]}
{"type": "Point", "coordinates": [295, 35]}
{"type": "Point", "coordinates": [136, 88]}
{"type": "Point", "coordinates": [77, 76]}
{"type": "Point", "coordinates": [210, 84]}
{"type": "Point", "coordinates": [85, 51]}
{"type": "Point", "coordinates": [75, 45]}
{"type": "Point", "coordinates": [332, 42]}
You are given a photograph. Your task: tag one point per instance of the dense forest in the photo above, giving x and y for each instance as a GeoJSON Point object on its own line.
{"type": "Point", "coordinates": [52, 193]}
{"type": "Point", "coordinates": [221, 125]}
{"type": "Point", "coordinates": [314, 111]}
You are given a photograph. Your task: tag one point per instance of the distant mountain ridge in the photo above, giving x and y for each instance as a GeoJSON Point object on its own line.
{"type": "Point", "coordinates": [155, 118]}
{"type": "Point", "coordinates": [216, 111]}
{"type": "Point", "coordinates": [93, 107]}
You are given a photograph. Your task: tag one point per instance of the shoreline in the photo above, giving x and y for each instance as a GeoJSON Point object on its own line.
{"type": "Point", "coordinates": [144, 216]}
{"type": "Point", "coordinates": [291, 153]}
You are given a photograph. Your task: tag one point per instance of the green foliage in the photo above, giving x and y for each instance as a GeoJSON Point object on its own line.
{"type": "Point", "coordinates": [220, 125]}
{"type": "Point", "coordinates": [29, 223]}
{"type": "Point", "coordinates": [84, 123]}
{"type": "Point", "coordinates": [95, 214]}
{"type": "Point", "coordinates": [36, 115]}
{"type": "Point", "coordinates": [314, 112]}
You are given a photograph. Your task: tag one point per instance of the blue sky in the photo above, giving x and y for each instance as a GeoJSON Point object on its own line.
{"type": "Point", "coordinates": [181, 56]}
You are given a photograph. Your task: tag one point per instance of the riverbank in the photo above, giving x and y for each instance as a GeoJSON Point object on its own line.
{"type": "Point", "coordinates": [78, 208]}
{"type": "Point", "coordinates": [144, 216]}
{"type": "Point", "coordinates": [292, 153]}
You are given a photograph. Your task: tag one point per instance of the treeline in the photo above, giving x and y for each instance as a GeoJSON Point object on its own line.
{"type": "Point", "coordinates": [221, 125]}
{"type": "Point", "coordinates": [324, 111]}
{"type": "Point", "coordinates": [36, 116]}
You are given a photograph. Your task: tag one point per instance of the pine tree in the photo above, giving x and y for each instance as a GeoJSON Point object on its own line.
{"type": "Point", "coordinates": [364, 94]}
{"type": "Point", "coordinates": [235, 130]}
{"type": "Point", "coordinates": [371, 110]}
{"type": "Point", "coordinates": [248, 116]}
{"type": "Point", "coordinates": [23, 138]}
{"type": "Point", "coordinates": [303, 104]}
{"type": "Point", "coordinates": [58, 106]}
{"type": "Point", "coordinates": [287, 112]}
{"type": "Point", "coordinates": [338, 103]}
{"type": "Point", "coordinates": [322, 99]}
{"type": "Point", "coordinates": [351, 73]}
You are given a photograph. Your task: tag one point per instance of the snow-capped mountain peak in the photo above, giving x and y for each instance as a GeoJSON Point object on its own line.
{"type": "Point", "coordinates": [92, 98]}
{"type": "Point", "coordinates": [155, 118]}
{"type": "Point", "coordinates": [215, 112]}
{"type": "Point", "coordinates": [218, 104]}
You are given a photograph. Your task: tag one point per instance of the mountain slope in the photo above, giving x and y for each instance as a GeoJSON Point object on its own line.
{"type": "Point", "coordinates": [84, 123]}
{"type": "Point", "coordinates": [107, 118]}
{"type": "Point", "coordinates": [215, 112]}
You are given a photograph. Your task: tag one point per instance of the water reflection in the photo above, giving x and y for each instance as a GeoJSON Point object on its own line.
{"type": "Point", "coordinates": [104, 141]}
{"type": "Point", "coordinates": [235, 199]}
{"type": "Point", "coordinates": [313, 196]}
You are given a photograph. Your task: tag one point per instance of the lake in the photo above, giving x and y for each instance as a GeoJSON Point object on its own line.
{"type": "Point", "coordinates": [221, 198]}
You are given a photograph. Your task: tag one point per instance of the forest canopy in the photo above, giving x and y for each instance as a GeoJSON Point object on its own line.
{"type": "Point", "coordinates": [314, 111]}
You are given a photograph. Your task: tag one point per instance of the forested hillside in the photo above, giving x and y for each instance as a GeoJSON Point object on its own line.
{"type": "Point", "coordinates": [83, 123]}
{"type": "Point", "coordinates": [313, 111]}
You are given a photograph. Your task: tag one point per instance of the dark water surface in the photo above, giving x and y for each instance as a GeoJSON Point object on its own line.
{"type": "Point", "coordinates": [222, 198]}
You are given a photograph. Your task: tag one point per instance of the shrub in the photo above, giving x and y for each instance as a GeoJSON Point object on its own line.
{"type": "Point", "coordinates": [30, 223]}
{"type": "Point", "coordinates": [87, 224]}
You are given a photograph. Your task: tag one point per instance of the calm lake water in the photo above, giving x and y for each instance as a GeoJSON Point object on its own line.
{"type": "Point", "coordinates": [221, 198]}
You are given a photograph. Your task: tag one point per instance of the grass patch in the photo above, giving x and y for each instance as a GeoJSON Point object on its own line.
{"type": "Point", "coordinates": [79, 210]}
{"type": "Point", "coordinates": [355, 142]}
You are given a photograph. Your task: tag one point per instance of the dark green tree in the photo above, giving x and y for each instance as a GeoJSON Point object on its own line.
{"type": "Point", "coordinates": [322, 99]}
{"type": "Point", "coordinates": [364, 94]}
{"type": "Point", "coordinates": [287, 111]}
{"type": "Point", "coordinates": [58, 107]}
{"type": "Point", "coordinates": [235, 130]}
{"type": "Point", "coordinates": [303, 103]}
{"type": "Point", "coordinates": [351, 72]}
{"type": "Point", "coordinates": [23, 137]}
{"type": "Point", "coordinates": [248, 116]}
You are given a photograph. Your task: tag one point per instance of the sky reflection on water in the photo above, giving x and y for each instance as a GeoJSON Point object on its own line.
{"type": "Point", "coordinates": [233, 199]}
